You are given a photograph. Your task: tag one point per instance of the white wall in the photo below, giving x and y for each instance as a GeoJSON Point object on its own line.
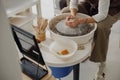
{"type": "Point", "coordinates": [9, 66]}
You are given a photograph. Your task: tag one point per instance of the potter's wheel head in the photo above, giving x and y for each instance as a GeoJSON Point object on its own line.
{"type": "Point", "coordinates": [81, 29]}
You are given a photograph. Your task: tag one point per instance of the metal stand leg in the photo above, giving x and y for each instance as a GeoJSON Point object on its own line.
{"type": "Point", "coordinates": [76, 72]}
{"type": "Point", "coordinates": [59, 79]}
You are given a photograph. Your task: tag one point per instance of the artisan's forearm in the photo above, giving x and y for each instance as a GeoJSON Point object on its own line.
{"type": "Point", "coordinates": [90, 20]}
{"type": "Point", "coordinates": [86, 20]}
{"type": "Point", "coordinates": [73, 11]}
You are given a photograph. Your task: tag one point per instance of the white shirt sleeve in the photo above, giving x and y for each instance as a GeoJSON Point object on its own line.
{"type": "Point", "coordinates": [74, 4]}
{"type": "Point", "coordinates": [103, 8]}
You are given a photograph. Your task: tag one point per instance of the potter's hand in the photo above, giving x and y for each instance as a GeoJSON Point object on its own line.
{"type": "Point", "coordinates": [72, 21]}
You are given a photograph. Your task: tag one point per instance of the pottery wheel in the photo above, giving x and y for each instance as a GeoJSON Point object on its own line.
{"type": "Point", "coordinates": [81, 29]}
